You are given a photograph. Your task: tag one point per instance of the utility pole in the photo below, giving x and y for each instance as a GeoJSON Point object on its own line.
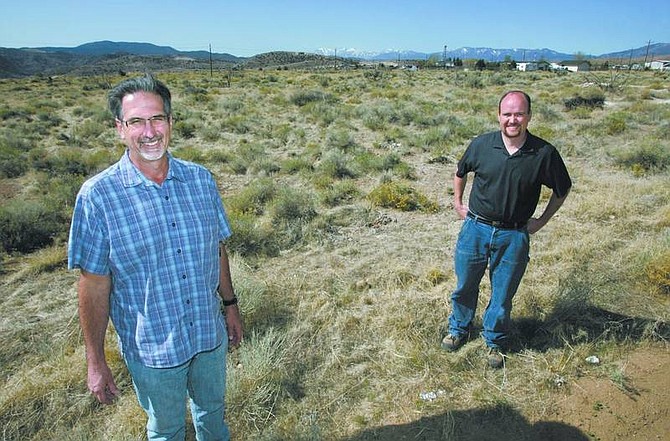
{"type": "Point", "coordinates": [646, 53]}
{"type": "Point", "coordinates": [211, 69]}
{"type": "Point", "coordinates": [444, 56]}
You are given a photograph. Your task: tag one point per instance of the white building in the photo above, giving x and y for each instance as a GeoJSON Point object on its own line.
{"type": "Point", "coordinates": [658, 65]}
{"type": "Point", "coordinates": [527, 66]}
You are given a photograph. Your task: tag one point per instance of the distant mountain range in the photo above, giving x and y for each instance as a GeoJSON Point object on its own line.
{"type": "Point", "coordinates": [108, 56]}
{"type": "Point", "coordinates": [111, 47]}
{"type": "Point", "coordinates": [492, 55]}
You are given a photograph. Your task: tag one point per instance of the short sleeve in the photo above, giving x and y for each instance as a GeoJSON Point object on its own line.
{"type": "Point", "coordinates": [88, 245]}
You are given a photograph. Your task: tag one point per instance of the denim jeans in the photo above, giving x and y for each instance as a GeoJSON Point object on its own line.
{"type": "Point", "coordinates": [505, 252]}
{"type": "Point", "coordinates": [162, 394]}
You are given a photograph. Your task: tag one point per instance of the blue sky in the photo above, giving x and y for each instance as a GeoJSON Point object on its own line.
{"type": "Point", "coordinates": [249, 27]}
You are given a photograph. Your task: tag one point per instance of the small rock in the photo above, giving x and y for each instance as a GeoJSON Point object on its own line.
{"type": "Point", "coordinates": [592, 359]}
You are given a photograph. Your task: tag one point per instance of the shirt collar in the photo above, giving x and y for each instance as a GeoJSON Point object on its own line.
{"type": "Point", "coordinates": [527, 147]}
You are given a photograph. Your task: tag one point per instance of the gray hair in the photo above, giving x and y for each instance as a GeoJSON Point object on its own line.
{"type": "Point", "coordinates": [145, 83]}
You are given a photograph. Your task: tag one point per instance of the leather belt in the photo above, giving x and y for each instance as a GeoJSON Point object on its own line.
{"type": "Point", "coordinates": [497, 224]}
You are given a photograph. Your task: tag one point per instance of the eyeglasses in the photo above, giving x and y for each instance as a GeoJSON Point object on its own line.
{"type": "Point", "coordinates": [140, 123]}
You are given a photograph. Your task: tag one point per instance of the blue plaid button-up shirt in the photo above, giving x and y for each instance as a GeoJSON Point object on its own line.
{"type": "Point", "coordinates": [159, 243]}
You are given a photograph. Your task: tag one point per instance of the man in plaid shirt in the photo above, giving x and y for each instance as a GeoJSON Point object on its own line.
{"type": "Point", "coordinates": [148, 236]}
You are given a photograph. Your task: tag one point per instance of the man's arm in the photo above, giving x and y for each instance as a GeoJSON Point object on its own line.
{"type": "Point", "coordinates": [93, 291]}
{"type": "Point", "coordinates": [535, 224]}
{"type": "Point", "coordinates": [232, 312]}
{"type": "Point", "coordinates": [459, 188]}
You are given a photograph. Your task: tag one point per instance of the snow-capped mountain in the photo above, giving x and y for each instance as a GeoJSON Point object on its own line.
{"type": "Point", "coordinates": [485, 53]}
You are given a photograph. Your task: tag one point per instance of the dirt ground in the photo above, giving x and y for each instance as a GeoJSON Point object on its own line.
{"type": "Point", "coordinates": [637, 408]}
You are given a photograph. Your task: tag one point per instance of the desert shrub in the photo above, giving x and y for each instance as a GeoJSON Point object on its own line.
{"type": "Point", "coordinates": [210, 133]}
{"type": "Point", "coordinates": [49, 119]}
{"type": "Point", "coordinates": [295, 165]}
{"type": "Point", "coordinates": [304, 97]}
{"type": "Point", "coordinates": [281, 133]}
{"type": "Point", "coordinates": [74, 161]}
{"type": "Point", "coordinates": [237, 124]}
{"type": "Point", "coordinates": [435, 136]}
{"type": "Point", "coordinates": [291, 212]}
{"type": "Point", "coordinates": [28, 225]}
{"type": "Point", "coordinates": [368, 161]}
{"type": "Point", "coordinates": [336, 165]}
{"type": "Point", "coordinates": [58, 192]}
{"type": "Point", "coordinates": [189, 153]}
{"type": "Point", "coordinates": [662, 131]}
{"type": "Point", "coordinates": [185, 128]}
{"type": "Point", "coordinates": [198, 95]}
{"type": "Point", "coordinates": [265, 166]}
{"type": "Point", "coordinates": [12, 166]}
{"type": "Point", "coordinates": [87, 130]}
{"type": "Point", "coordinates": [324, 113]}
{"type": "Point", "coordinates": [401, 197]}
{"type": "Point", "coordinates": [658, 272]}
{"type": "Point", "coordinates": [590, 100]}
{"type": "Point", "coordinates": [47, 260]}
{"type": "Point", "coordinates": [497, 79]}
{"type": "Point", "coordinates": [404, 170]}
{"type": "Point", "coordinates": [231, 105]}
{"type": "Point", "coordinates": [340, 139]}
{"type": "Point", "coordinates": [474, 82]}
{"type": "Point", "coordinates": [436, 276]}
{"type": "Point", "coordinates": [645, 158]}
{"type": "Point", "coordinates": [253, 393]}
{"type": "Point", "coordinates": [253, 198]}
{"type": "Point", "coordinates": [217, 155]}
{"type": "Point", "coordinates": [12, 156]}
{"type": "Point", "coordinates": [245, 155]}
{"type": "Point", "coordinates": [7, 113]}
{"type": "Point", "coordinates": [615, 123]}
{"type": "Point", "coordinates": [292, 206]}
{"type": "Point", "coordinates": [377, 117]}
{"type": "Point", "coordinates": [251, 238]}
{"type": "Point", "coordinates": [339, 192]}
{"type": "Point", "coordinates": [544, 132]}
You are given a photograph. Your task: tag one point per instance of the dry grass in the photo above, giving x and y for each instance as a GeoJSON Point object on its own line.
{"type": "Point", "coordinates": [344, 301]}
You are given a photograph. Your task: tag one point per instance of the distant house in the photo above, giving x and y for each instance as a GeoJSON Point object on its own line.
{"type": "Point", "coordinates": [527, 66]}
{"type": "Point", "coordinates": [572, 65]}
{"type": "Point", "coordinates": [658, 65]}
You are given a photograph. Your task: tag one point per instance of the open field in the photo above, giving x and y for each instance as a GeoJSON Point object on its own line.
{"type": "Point", "coordinates": [338, 185]}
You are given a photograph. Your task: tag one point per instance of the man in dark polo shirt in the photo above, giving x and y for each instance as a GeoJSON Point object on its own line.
{"type": "Point", "coordinates": [510, 167]}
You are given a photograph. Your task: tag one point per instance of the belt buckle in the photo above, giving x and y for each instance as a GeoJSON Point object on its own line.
{"type": "Point", "coordinates": [497, 224]}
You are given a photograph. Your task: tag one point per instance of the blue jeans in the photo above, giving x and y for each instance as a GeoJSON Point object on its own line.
{"type": "Point", "coordinates": [162, 394]}
{"type": "Point", "coordinates": [505, 252]}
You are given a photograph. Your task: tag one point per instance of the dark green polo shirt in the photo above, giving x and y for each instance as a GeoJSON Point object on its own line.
{"type": "Point", "coordinates": [507, 188]}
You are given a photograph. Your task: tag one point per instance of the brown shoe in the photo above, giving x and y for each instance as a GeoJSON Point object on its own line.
{"type": "Point", "coordinates": [495, 358]}
{"type": "Point", "coordinates": [452, 342]}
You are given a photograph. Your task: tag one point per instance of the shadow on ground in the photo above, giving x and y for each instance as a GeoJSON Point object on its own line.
{"type": "Point", "coordinates": [578, 321]}
{"type": "Point", "coordinates": [501, 423]}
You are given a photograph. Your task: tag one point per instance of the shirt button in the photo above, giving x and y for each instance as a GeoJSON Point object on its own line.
{"type": "Point", "coordinates": [183, 276]}
{"type": "Point", "coordinates": [174, 224]}
{"type": "Point", "coordinates": [167, 197]}
{"type": "Point", "coordinates": [188, 302]}
{"type": "Point", "coordinates": [179, 251]}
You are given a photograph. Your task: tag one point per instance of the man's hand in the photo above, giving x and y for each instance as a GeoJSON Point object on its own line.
{"type": "Point", "coordinates": [234, 325]}
{"type": "Point", "coordinates": [101, 383]}
{"type": "Point", "coordinates": [461, 210]}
